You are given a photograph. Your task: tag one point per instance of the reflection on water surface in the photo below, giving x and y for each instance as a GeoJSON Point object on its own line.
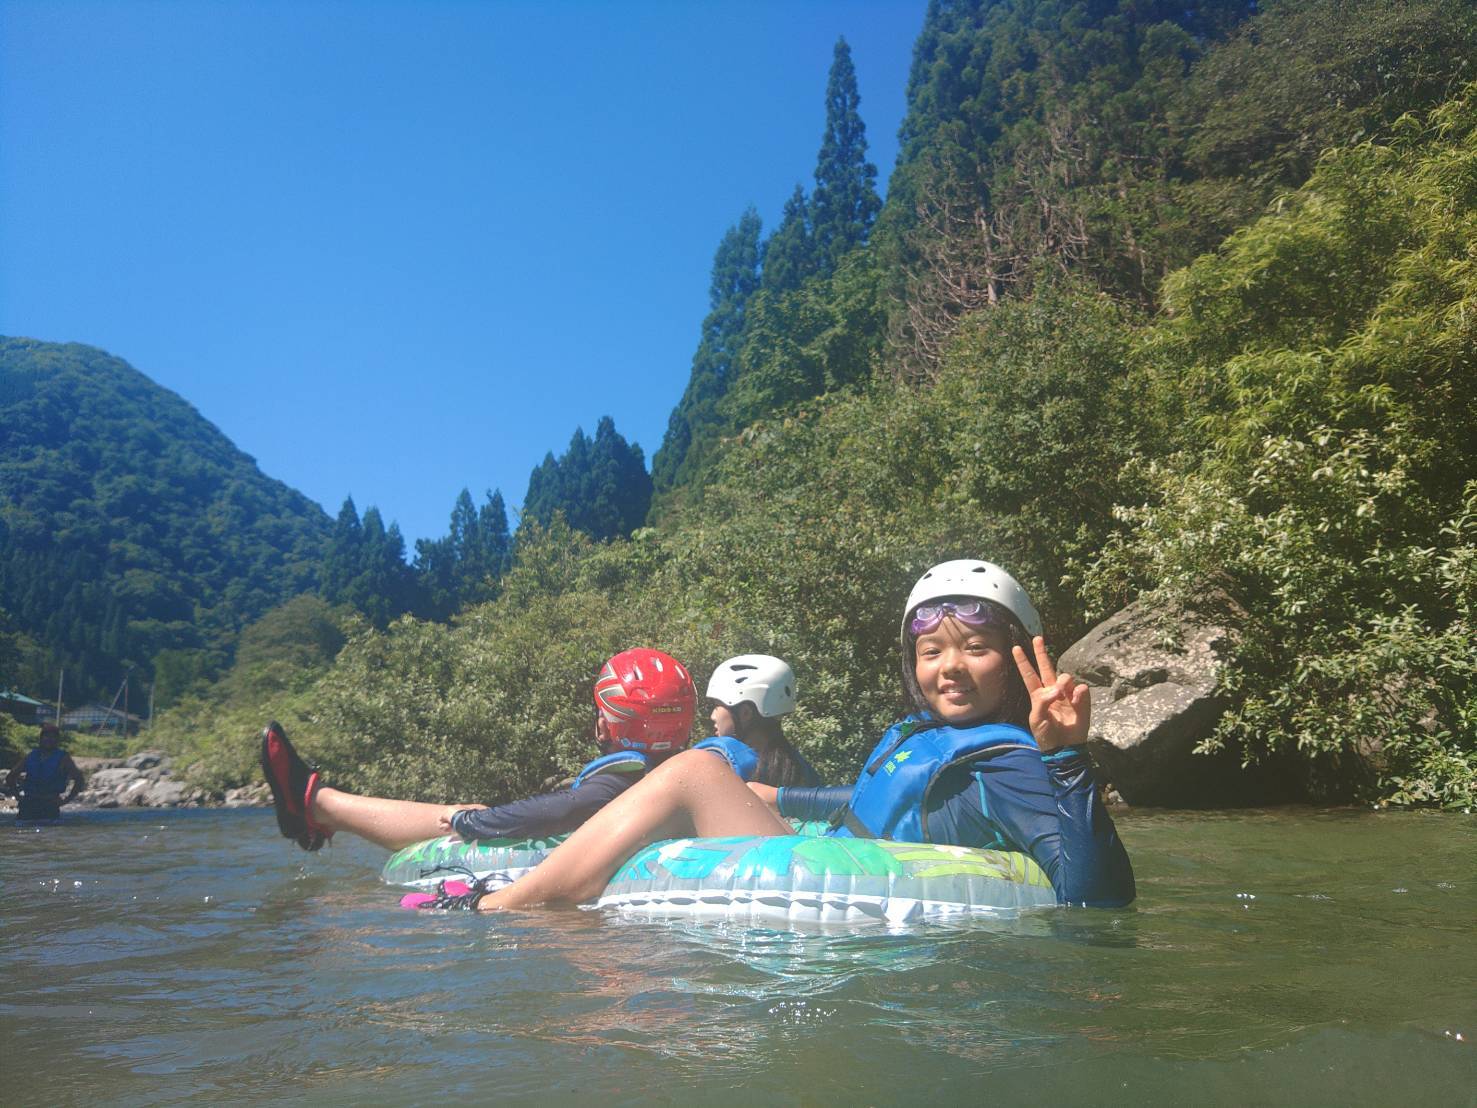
{"type": "Point", "coordinates": [1280, 957]}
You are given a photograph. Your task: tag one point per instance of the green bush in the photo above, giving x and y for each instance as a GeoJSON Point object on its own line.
{"type": "Point", "coordinates": [213, 732]}
{"type": "Point", "coordinates": [1327, 351]}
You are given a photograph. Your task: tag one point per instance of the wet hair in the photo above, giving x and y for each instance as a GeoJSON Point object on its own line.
{"type": "Point", "coordinates": [780, 764]}
{"type": "Point", "coordinates": [1015, 705]}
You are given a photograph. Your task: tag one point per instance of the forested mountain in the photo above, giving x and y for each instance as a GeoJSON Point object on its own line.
{"type": "Point", "coordinates": [1121, 140]}
{"type": "Point", "coordinates": [1113, 141]}
{"type": "Point", "coordinates": [135, 538]}
{"type": "Point", "coordinates": [131, 529]}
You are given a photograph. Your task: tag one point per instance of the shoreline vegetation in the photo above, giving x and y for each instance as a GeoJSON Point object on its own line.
{"type": "Point", "coordinates": [1171, 312]}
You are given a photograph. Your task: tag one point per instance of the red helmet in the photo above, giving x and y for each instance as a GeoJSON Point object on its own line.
{"type": "Point", "coordinates": [647, 701]}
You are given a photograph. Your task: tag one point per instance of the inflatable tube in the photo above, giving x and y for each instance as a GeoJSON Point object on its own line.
{"type": "Point", "coordinates": [785, 880]}
{"type": "Point", "coordinates": [797, 879]}
{"type": "Point", "coordinates": [425, 864]}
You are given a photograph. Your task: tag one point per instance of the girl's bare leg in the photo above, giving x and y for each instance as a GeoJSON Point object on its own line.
{"type": "Point", "coordinates": [389, 823]}
{"type": "Point", "coordinates": [692, 793]}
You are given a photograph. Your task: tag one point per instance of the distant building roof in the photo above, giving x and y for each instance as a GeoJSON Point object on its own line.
{"type": "Point", "coordinates": [93, 714]}
{"type": "Point", "coordinates": [20, 698]}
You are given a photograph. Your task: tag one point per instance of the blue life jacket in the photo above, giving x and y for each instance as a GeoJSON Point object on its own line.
{"type": "Point", "coordinates": [889, 799]}
{"type": "Point", "coordinates": [44, 773]}
{"type": "Point", "coordinates": [739, 755]}
{"type": "Point", "coordinates": [622, 761]}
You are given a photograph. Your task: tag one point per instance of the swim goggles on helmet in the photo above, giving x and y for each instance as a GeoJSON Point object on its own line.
{"type": "Point", "coordinates": [926, 617]}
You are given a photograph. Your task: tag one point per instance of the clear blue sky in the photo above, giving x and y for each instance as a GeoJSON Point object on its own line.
{"type": "Point", "coordinates": [397, 249]}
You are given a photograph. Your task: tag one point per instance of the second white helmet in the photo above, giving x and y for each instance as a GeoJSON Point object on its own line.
{"type": "Point", "coordinates": [764, 681]}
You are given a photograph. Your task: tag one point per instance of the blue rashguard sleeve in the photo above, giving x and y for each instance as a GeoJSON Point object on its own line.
{"type": "Point", "coordinates": [1048, 807]}
{"type": "Point", "coordinates": [798, 802]}
{"type": "Point", "coordinates": [538, 817]}
{"type": "Point", "coordinates": [1094, 866]}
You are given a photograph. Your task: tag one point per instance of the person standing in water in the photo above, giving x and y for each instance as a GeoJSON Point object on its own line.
{"type": "Point", "coordinates": [42, 774]}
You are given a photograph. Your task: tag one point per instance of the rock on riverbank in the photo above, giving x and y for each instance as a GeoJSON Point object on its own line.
{"type": "Point", "coordinates": [1156, 698]}
{"type": "Point", "coordinates": [147, 780]}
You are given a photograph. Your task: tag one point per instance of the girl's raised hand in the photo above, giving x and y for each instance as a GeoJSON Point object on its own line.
{"type": "Point", "coordinates": [1060, 707]}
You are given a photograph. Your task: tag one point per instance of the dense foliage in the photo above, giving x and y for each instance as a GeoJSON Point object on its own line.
{"type": "Point", "coordinates": [277, 664]}
{"type": "Point", "coordinates": [1120, 140]}
{"type": "Point", "coordinates": [463, 568]}
{"type": "Point", "coordinates": [364, 566]}
{"type": "Point", "coordinates": [130, 526]}
{"type": "Point", "coordinates": [599, 485]}
{"type": "Point", "coordinates": [1320, 368]}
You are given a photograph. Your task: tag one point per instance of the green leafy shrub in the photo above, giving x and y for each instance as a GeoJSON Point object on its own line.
{"type": "Point", "coordinates": [213, 733]}
{"type": "Point", "coordinates": [1328, 351]}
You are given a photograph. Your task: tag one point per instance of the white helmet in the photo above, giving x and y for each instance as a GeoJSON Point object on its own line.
{"type": "Point", "coordinates": [765, 682]}
{"type": "Point", "coordinates": [971, 577]}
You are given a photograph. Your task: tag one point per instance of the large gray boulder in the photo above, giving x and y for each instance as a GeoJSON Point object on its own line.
{"type": "Point", "coordinates": [168, 793]}
{"type": "Point", "coordinates": [1154, 699]}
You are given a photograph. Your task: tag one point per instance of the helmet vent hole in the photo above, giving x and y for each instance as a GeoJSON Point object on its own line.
{"type": "Point", "coordinates": [658, 663]}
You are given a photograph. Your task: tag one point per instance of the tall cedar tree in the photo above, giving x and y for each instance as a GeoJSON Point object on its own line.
{"type": "Point", "coordinates": [600, 485]}
{"type": "Point", "coordinates": [845, 201]}
{"type": "Point", "coordinates": [810, 241]}
{"type": "Point", "coordinates": [789, 253]}
{"type": "Point", "coordinates": [695, 422]}
{"type": "Point", "coordinates": [463, 567]}
{"type": "Point", "coordinates": [365, 566]}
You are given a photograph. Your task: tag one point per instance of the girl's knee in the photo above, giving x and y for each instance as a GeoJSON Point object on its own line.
{"type": "Point", "coordinates": [693, 765]}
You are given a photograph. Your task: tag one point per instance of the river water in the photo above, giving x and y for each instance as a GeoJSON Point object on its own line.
{"type": "Point", "coordinates": [1273, 957]}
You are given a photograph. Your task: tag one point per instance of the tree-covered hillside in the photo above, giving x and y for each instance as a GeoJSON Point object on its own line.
{"type": "Point", "coordinates": [1119, 140]}
{"type": "Point", "coordinates": [131, 529]}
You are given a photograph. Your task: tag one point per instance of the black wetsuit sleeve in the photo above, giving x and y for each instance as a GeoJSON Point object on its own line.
{"type": "Point", "coordinates": [538, 817]}
{"type": "Point", "coordinates": [1060, 822]}
{"type": "Point", "coordinates": [798, 802]}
